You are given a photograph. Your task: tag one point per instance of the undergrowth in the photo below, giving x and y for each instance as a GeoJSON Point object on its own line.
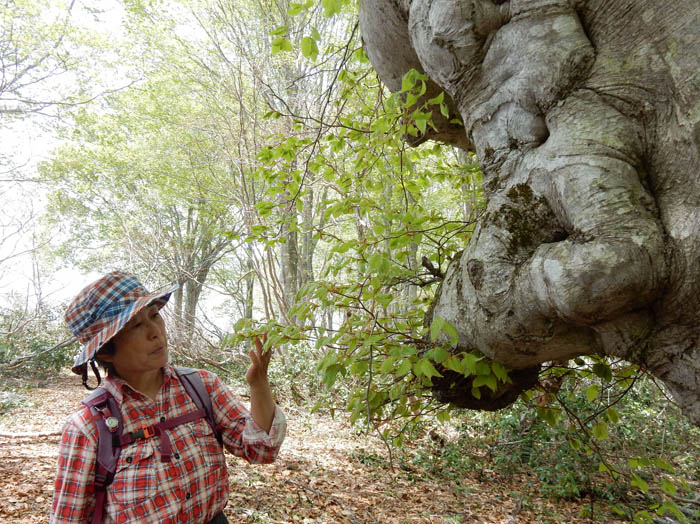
{"type": "Point", "coordinates": [649, 458]}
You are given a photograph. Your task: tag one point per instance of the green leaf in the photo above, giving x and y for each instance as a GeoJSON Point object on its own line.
{"type": "Point", "coordinates": [602, 370]}
{"type": "Point", "coordinates": [668, 487]}
{"type": "Point", "coordinates": [294, 9]}
{"type": "Point", "coordinates": [617, 510]}
{"type": "Point", "coordinates": [486, 380]}
{"type": "Point", "coordinates": [453, 363]}
{"type": "Point", "coordinates": [330, 375]}
{"type": "Point", "coordinates": [331, 7]}
{"type": "Point", "coordinates": [549, 415]}
{"type": "Point", "coordinates": [437, 99]}
{"type": "Point", "coordinates": [500, 371]}
{"type": "Point", "coordinates": [309, 48]}
{"type": "Point", "coordinates": [436, 328]}
{"type": "Point", "coordinates": [444, 110]}
{"type": "Point", "coordinates": [483, 368]}
{"type": "Point", "coordinates": [669, 506]}
{"type": "Point", "coordinates": [438, 355]}
{"type": "Point", "coordinates": [281, 44]}
{"type": "Point", "coordinates": [639, 482]}
{"type": "Point", "coordinates": [603, 468]}
{"type": "Point", "coordinates": [411, 100]}
{"type": "Point", "coordinates": [404, 367]}
{"type": "Point", "coordinates": [444, 416]}
{"type": "Point", "coordinates": [592, 392]}
{"type": "Point", "coordinates": [421, 124]}
{"type": "Point", "coordinates": [470, 361]}
{"type": "Point", "coordinates": [451, 333]}
{"type": "Point", "coordinates": [280, 30]}
{"type": "Point", "coordinates": [359, 367]}
{"type": "Point", "coordinates": [613, 415]}
{"type": "Point", "coordinates": [408, 81]}
{"type": "Point", "coordinates": [342, 248]}
{"type": "Point", "coordinates": [425, 368]}
{"type": "Point", "coordinates": [662, 464]}
{"type": "Point", "coordinates": [387, 366]}
{"type": "Point", "coordinates": [600, 431]}
{"type": "Point", "coordinates": [384, 298]}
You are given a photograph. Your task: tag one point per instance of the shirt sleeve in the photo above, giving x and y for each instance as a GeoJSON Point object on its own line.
{"type": "Point", "coordinates": [74, 498]}
{"type": "Point", "coordinates": [241, 435]}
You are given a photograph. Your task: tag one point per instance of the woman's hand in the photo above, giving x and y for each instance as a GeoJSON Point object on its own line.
{"type": "Point", "coordinates": [260, 360]}
{"type": "Point", "coordinates": [262, 407]}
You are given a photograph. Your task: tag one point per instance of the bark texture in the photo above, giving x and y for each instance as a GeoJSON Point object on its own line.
{"type": "Point", "coordinates": [585, 117]}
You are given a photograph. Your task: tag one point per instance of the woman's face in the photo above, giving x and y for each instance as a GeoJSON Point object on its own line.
{"type": "Point", "coordinates": [141, 345]}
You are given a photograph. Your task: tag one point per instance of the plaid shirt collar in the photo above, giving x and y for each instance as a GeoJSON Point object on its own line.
{"type": "Point", "coordinates": [116, 385]}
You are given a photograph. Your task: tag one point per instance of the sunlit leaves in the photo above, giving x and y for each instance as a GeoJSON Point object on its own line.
{"type": "Point", "coordinates": [592, 392]}
{"type": "Point", "coordinates": [281, 30]}
{"type": "Point", "coordinates": [439, 326]}
{"type": "Point", "coordinates": [309, 48]}
{"type": "Point", "coordinates": [384, 208]}
{"type": "Point", "coordinates": [331, 7]}
{"type": "Point", "coordinates": [425, 368]}
{"type": "Point", "coordinates": [281, 44]}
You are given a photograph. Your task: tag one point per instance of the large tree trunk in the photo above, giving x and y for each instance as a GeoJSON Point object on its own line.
{"type": "Point", "coordinates": [585, 118]}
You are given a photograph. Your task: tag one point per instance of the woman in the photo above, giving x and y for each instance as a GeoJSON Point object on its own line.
{"type": "Point", "coordinates": [120, 326]}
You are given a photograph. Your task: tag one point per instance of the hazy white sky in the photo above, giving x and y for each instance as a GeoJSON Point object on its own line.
{"type": "Point", "coordinates": [23, 144]}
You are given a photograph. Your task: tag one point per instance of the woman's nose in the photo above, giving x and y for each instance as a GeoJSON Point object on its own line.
{"type": "Point", "coordinates": [153, 329]}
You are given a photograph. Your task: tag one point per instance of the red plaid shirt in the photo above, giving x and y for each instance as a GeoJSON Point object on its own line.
{"type": "Point", "coordinates": [191, 488]}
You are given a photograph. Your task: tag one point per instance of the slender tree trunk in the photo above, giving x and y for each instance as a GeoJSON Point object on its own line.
{"type": "Point", "coordinates": [249, 283]}
{"type": "Point", "coordinates": [307, 245]}
{"type": "Point", "coordinates": [289, 259]}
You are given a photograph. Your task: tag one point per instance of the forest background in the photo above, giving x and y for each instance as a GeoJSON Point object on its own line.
{"type": "Point", "coordinates": [247, 151]}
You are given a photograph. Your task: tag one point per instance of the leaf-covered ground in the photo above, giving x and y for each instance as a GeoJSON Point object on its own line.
{"type": "Point", "coordinates": [325, 473]}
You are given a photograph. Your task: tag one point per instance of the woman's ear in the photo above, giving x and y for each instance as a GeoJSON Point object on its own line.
{"type": "Point", "coordinates": [107, 351]}
{"type": "Point", "coordinates": [106, 357]}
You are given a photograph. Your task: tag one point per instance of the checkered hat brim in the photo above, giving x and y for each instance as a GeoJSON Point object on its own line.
{"type": "Point", "coordinates": [101, 309]}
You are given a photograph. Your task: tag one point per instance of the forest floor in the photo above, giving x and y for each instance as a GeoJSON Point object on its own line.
{"type": "Point", "coordinates": [325, 473]}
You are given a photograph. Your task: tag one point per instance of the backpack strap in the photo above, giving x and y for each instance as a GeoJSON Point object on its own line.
{"type": "Point", "coordinates": [110, 438]}
{"type": "Point", "coordinates": [108, 419]}
{"type": "Point", "coordinates": [194, 385]}
{"type": "Point", "coordinates": [158, 429]}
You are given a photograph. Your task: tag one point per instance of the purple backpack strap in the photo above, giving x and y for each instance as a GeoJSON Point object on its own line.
{"type": "Point", "coordinates": [103, 407]}
{"type": "Point", "coordinates": [194, 385]}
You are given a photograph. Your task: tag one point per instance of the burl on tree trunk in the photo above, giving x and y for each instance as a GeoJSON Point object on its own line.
{"type": "Point", "coordinates": [585, 118]}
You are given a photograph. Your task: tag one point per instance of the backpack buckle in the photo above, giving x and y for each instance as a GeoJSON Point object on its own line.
{"type": "Point", "coordinates": [100, 480]}
{"type": "Point", "coordinates": [143, 433]}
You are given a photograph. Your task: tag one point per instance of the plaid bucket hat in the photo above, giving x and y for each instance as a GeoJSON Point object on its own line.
{"type": "Point", "coordinates": [102, 308]}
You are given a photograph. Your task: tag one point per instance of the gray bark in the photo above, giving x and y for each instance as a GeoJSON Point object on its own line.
{"type": "Point", "coordinates": [585, 118]}
{"type": "Point", "coordinates": [289, 258]}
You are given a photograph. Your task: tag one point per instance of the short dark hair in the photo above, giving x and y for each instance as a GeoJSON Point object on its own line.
{"type": "Point", "coordinates": [108, 348]}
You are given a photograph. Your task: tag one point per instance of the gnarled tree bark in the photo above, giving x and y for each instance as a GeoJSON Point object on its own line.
{"type": "Point", "coordinates": [585, 117]}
